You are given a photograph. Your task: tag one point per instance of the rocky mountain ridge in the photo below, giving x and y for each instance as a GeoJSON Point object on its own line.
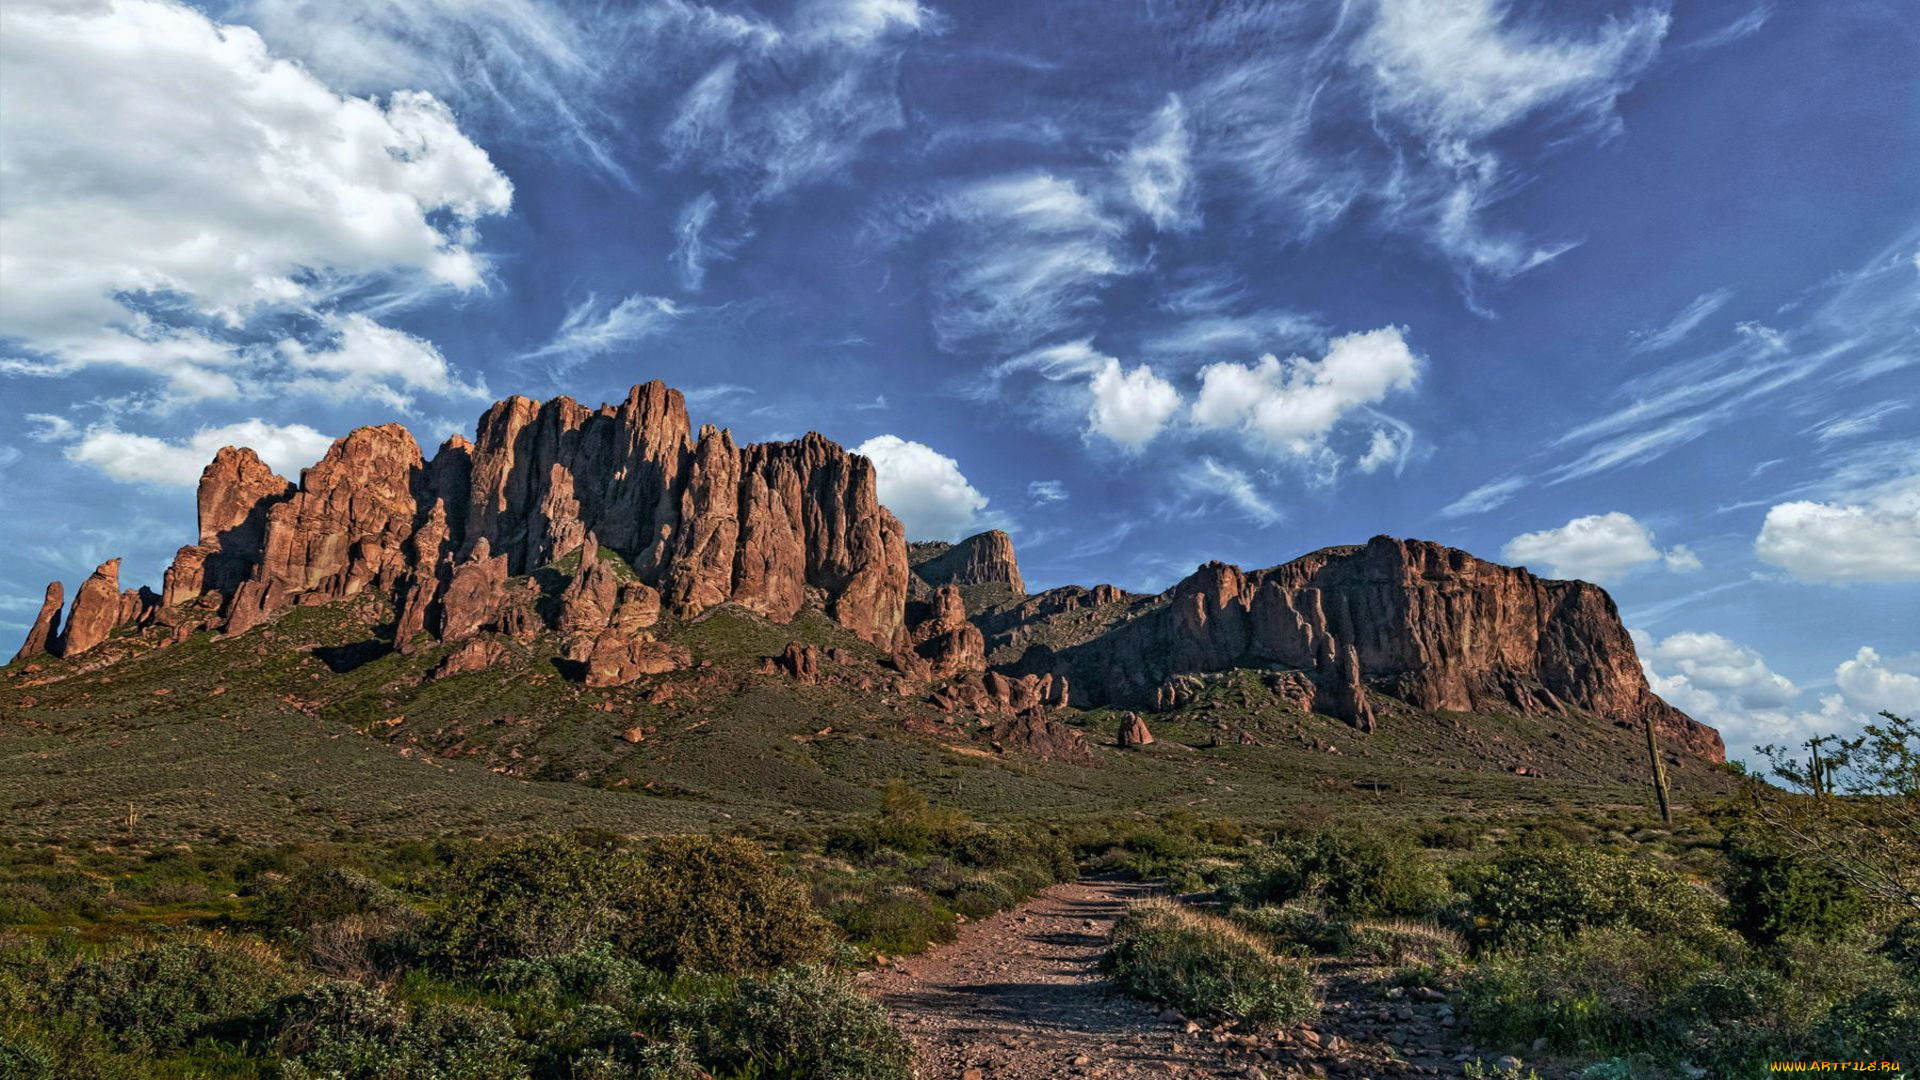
{"type": "Point", "coordinates": [595, 526]}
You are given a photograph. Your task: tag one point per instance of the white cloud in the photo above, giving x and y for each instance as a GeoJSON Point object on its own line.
{"type": "Point", "coordinates": [169, 179]}
{"type": "Point", "coordinates": [1464, 68]}
{"type": "Point", "coordinates": [1387, 446]}
{"type": "Point", "coordinates": [1681, 559]}
{"type": "Point", "coordinates": [1209, 478]}
{"type": "Point", "coordinates": [1711, 662]}
{"type": "Point", "coordinates": [1874, 684]}
{"type": "Point", "coordinates": [1598, 547]}
{"type": "Point", "coordinates": [1047, 491]}
{"type": "Point", "coordinates": [924, 488]}
{"type": "Point", "coordinates": [1852, 425]}
{"type": "Point", "coordinates": [1031, 252]}
{"type": "Point", "coordinates": [1130, 407]}
{"type": "Point", "coordinates": [593, 328]}
{"type": "Point", "coordinates": [1488, 496]}
{"type": "Point", "coordinates": [144, 459]}
{"type": "Point", "coordinates": [1683, 324]}
{"type": "Point", "coordinates": [1158, 172]}
{"type": "Point", "coordinates": [692, 250]}
{"type": "Point", "coordinates": [1875, 539]}
{"type": "Point", "coordinates": [1290, 406]}
{"type": "Point", "coordinates": [361, 358]}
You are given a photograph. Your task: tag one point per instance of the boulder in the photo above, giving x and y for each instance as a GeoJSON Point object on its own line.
{"type": "Point", "coordinates": [1133, 731]}
{"type": "Point", "coordinates": [802, 662]}
{"type": "Point", "coordinates": [1036, 734]}
{"type": "Point", "coordinates": [475, 654]}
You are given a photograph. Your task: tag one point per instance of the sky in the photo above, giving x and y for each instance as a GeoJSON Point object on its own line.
{"type": "Point", "coordinates": [1625, 291]}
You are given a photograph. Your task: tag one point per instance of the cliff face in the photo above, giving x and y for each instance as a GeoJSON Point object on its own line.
{"type": "Point", "coordinates": [983, 559]}
{"type": "Point", "coordinates": [772, 527]}
{"type": "Point", "coordinates": [1430, 625]}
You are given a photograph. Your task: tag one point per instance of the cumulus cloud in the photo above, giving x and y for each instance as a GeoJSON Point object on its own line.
{"type": "Point", "coordinates": [1712, 662]}
{"type": "Point", "coordinates": [1158, 171]}
{"type": "Point", "coordinates": [924, 488]}
{"type": "Point", "coordinates": [1874, 684]}
{"type": "Point", "coordinates": [1876, 539]}
{"type": "Point", "coordinates": [1598, 547]}
{"type": "Point", "coordinates": [1291, 406]}
{"type": "Point", "coordinates": [169, 179]}
{"type": "Point", "coordinates": [143, 459]}
{"type": "Point", "coordinates": [1130, 407]}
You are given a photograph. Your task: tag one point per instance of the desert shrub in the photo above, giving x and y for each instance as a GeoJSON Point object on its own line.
{"type": "Point", "coordinates": [1596, 990]}
{"type": "Point", "coordinates": [23, 1059]}
{"type": "Point", "coordinates": [894, 920]}
{"type": "Point", "coordinates": [313, 895]}
{"type": "Point", "coordinates": [719, 904]}
{"type": "Point", "coordinates": [1361, 874]}
{"type": "Point", "coordinates": [1301, 930]}
{"type": "Point", "coordinates": [535, 898]}
{"type": "Point", "coordinates": [1206, 967]}
{"type": "Point", "coordinates": [808, 1022]}
{"type": "Point", "coordinates": [1559, 891]}
{"type": "Point", "coordinates": [158, 998]}
{"type": "Point", "coordinates": [981, 897]}
{"type": "Point", "coordinates": [1772, 894]}
{"type": "Point", "coordinates": [340, 1028]}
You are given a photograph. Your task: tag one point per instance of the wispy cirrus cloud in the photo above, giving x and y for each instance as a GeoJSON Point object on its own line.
{"type": "Point", "coordinates": [593, 327]}
{"type": "Point", "coordinates": [1683, 324]}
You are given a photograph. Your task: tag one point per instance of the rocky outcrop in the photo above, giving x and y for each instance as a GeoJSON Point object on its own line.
{"type": "Point", "coordinates": [477, 654]}
{"type": "Point", "coordinates": [945, 640]}
{"type": "Point", "coordinates": [1043, 737]}
{"type": "Point", "coordinates": [983, 559]}
{"type": "Point", "coordinates": [237, 490]}
{"type": "Point", "coordinates": [774, 527]}
{"type": "Point", "coordinates": [45, 632]}
{"type": "Point", "coordinates": [617, 659]}
{"type": "Point", "coordinates": [1133, 731]}
{"type": "Point", "coordinates": [96, 610]}
{"type": "Point", "coordinates": [993, 693]}
{"type": "Point", "coordinates": [1430, 625]}
{"type": "Point", "coordinates": [800, 662]}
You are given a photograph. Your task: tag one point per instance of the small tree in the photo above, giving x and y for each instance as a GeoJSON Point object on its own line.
{"type": "Point", "coordinates": [1852, 807]}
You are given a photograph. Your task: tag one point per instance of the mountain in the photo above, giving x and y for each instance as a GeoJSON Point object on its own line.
{"type": "Point", "coordinates": [611, 560]}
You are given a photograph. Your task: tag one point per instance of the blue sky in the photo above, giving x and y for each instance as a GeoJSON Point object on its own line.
{"type": "Point", "coordinates": [1627, 291]}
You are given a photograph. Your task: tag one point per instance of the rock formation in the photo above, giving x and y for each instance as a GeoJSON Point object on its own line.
{"type": "Point", "coordinates": [96, 610]}
{"type": "Point", "coordinates": [45, 632]}
{"type": "Point", "coordinates": [945, 639]}
{"type": "Point", "coordinates": [1133, 731]}
{"type": "Point", "coordinates": [1429, 625]}
{"type": "Point", "coordinates": [667, 524]}
{"type": "Point", "coordinates": [983, 559]}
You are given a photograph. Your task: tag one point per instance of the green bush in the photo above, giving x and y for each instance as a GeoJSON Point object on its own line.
{"type": "Point", "coordinates": [314, 895]}
{"type": "Point", "coordinates": [347, 1029]}
{"type": "Point", "coordinates": [1772, 894]}
{"type": "Point", "coordinates": [1206, 967]}
{"type": "Point", "coordinates": [1359, 874]}
{"type": "Point", "coordinates": [719, 904]}
{"type": "Point", "coordinates": [535, 898]}
{"type": "Point", "coordinates": [894, 920]}
{"type": "Point", "coordinates": [158, 998]}
{"type": "Point", "coordinates": [812, 1023]}
{"type": "Point", "coordinates": [1603, 989]}
{"type": "Point", "coordinates": [1561, 891]}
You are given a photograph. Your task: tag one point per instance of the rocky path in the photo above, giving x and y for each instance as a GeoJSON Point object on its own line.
{"type": "Point", "coordinates": [1020, 995]}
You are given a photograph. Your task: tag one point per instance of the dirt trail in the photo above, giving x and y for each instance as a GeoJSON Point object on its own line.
{"type": "Point", "coordinates": [1020, 995]}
